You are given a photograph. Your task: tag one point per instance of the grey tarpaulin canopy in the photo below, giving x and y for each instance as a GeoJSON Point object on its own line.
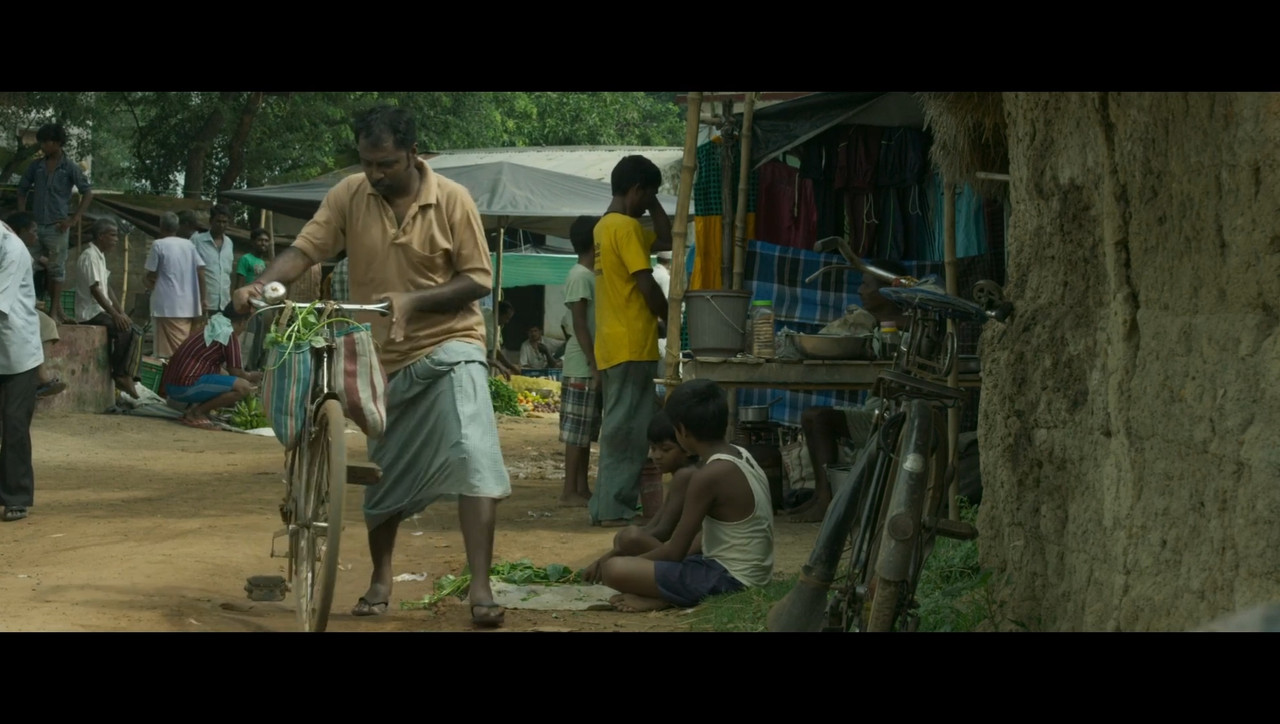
{"type": "Point", "coordinates": [788, 124]}
{"type": "Point", "coordinates": [508, 195]}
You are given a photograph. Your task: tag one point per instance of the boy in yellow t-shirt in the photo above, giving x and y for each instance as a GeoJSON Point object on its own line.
{"type": "Point", "coordinates": [629, 305]}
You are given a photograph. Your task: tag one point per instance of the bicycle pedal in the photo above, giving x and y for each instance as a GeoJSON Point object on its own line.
{"type": "Point", "coordinates": [947, 528]}
{"type": "Point", "coordinates": [363, 474]}
{"type": "Point", "coordinates": [266, 588]}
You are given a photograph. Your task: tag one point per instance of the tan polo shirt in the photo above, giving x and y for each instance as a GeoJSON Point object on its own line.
{"type": "Point", "coordinates": [441, 237]}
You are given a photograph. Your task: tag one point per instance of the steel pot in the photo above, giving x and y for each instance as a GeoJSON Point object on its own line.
{"type": "Point", "coordinates": [756, 413]}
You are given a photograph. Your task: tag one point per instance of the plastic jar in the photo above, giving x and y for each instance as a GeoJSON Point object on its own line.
{"type": "Point", "coordinates": [891, 338]}
{"type": "Point", "coordinates": [761, 329]}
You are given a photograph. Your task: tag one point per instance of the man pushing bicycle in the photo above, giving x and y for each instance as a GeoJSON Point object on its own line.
{"type": "Point", "coordinates": [415, 239]}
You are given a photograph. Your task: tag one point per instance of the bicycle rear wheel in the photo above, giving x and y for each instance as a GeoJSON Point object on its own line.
{"type": "Point", "coordinates": [317, 530]}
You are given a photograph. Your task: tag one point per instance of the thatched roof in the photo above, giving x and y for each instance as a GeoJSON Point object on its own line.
{"type": "Point", "coordinates": [969, 135]}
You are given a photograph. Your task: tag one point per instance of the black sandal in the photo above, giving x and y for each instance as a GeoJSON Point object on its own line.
{"type": "Point", "coordinates": [14, 512]}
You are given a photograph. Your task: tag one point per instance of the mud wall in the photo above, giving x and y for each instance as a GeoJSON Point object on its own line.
{"type": "Point", "coordinates": [1130, 417]}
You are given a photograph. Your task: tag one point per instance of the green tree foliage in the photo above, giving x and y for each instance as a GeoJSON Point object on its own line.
{"type": "Point", "coordinates": [196, 143]}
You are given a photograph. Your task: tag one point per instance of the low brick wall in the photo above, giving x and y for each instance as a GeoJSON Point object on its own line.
{"type": "Point", "coordinates": [80, 359]}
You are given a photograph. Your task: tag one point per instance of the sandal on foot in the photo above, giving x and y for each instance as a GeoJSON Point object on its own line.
{"type": "Point", "coordinates": [366, 608]}
{"type": "Point", "coordinates": [50, 388]}
{"type": "Point", "coordinates": [13, 512]}
{"type": "Point", "coordinates": [489, 615]}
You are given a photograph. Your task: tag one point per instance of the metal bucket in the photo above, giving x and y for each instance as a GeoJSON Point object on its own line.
{"type": "Point", "coordinates": [838, 476]}
{"type": "Point", "coordinates": [717, 321]}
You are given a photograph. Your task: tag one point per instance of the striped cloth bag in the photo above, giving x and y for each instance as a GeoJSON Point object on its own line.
{"type": "Point", "coordinates": [286, 387]}
{"type": "Point", "coordinates": [359, 379]}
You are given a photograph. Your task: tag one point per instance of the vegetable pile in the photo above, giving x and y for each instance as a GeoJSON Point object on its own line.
{"type": "Point", "coordinates": [248, 414]}
{"type": "Point", "coordinates": [505, 399]}
{"type": "Point", "coordinates": [520, 573]}
{"type": "Point", "coordinates": [537, 394]}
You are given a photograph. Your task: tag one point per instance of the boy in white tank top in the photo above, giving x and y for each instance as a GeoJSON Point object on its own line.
{"type": "Point", "coordinates": [727, 501]}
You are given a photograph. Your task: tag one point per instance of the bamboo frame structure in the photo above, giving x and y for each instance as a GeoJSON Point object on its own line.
{"type": "Point", "coordinates": [740, 217]}
{"type": "Point", "coordinates": [679, 234]}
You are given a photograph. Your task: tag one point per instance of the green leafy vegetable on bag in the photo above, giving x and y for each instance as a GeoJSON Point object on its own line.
{"type": "Point", "coordinates": [304, 328]}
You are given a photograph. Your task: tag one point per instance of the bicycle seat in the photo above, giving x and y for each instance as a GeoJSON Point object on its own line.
{"type": "Point", "coordinates": [935, 300]}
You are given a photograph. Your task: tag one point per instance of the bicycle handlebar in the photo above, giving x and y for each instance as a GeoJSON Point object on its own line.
{"type": "Point", "coordinates": [383, 308]}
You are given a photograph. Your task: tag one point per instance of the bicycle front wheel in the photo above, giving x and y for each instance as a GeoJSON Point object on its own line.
{"type": "Point", "coordinates": [900, 552]}
{"type": "Point", "coordinates": [320, 494]}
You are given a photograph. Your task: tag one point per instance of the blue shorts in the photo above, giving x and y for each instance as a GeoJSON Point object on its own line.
{"type": "Point", "coordinates": [206, 388]}
{"type": "Point", "coordinates": [688, 582]}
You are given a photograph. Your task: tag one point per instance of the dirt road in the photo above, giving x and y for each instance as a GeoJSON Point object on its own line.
{"type": "Point", "coordinates": [143, 524]}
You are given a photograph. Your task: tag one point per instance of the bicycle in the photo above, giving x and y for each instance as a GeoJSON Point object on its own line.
{"type": "Point", "coordinates": [315, 481]}
{"type": "Point", "coordinates": [880, 528]}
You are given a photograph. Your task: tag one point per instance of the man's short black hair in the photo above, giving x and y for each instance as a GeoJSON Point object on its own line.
{"type": "Point", "coordinates": [20, 220]}
{"type": "Point", "coordinates": [702, 407]}
{"type": "Point", "coordinates": [660, 428]}
{"type": "Point", "coordinates": [582, 233]}
{"type": "Point", "coordinates": [387, 123]}
{"type": "Point", "coordinates": [634, 171]}
{"type": "Point", "coordinates": [220, 209]}
{"type": "Point", "coordinates": [230, 312]}
{"type": "Point", "coordinates": [51, 132]}
{"type": "Point", "coordinates": [504, 307]}
{"type": "Point", "coordinates": [259, 231]}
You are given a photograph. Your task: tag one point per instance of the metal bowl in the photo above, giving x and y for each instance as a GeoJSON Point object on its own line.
{"type": "Point", "coordinates": [835, 346]}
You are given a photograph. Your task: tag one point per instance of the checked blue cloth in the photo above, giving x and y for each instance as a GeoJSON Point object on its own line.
{"type": "Point", "coordinates": [777, 273]}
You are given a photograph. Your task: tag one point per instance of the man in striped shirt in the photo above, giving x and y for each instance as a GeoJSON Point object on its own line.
{"type": "Point", "coordinates": [194, 373]}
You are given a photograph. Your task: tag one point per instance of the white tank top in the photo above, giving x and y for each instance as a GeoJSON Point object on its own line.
{"type": "Point", "coordinates": [744, 548]}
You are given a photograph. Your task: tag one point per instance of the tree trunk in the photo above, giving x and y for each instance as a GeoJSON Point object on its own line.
{"type": "Point", "coordinates": [193, 186]}
{"type": "Point", "coordinates": [1130, 408]}
{"type": "Point", "coordinates": [235, 149]}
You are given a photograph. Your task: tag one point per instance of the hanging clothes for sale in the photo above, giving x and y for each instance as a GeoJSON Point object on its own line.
{"type": "Point", "coordinates": [971, 224]}
{"type": "Point", "coordinates": [787, 214]}
{"type": "Point", "coordinates": [820, 164]}
{"type": "Point", "coordinates": [902, 230]}
{"type": "Point", "coordinates": [856, 160]}
{"type": "Point", "coordinates": [708, 220]}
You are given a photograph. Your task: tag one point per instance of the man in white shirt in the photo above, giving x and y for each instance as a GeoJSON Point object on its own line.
{"type": "Point", "coordinates": [97, 304]}
{"type": "Point", "coordinates": [217, 252]}
{"type": "Point", "coordinates": [662, 275]}
{"type": "Point", "coordinates": [177, 284]}
{"type": "Point", "coordinates": [20, 356]}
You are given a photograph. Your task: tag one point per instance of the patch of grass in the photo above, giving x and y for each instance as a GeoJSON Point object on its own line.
{"type": "Point", "coordinates": [741, 611]}
{"type": "Point", "coordinates": [953, 593]}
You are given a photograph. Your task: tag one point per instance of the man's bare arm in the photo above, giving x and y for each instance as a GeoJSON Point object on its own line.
{"type": "Point", "coordinates": [652, 293]}
{"type": "Point", "coordinates": [582, 330]}
{"type": "Point", "coordinates": [697, 504]}
{"type": "Point", "coordinates": [661, 227]}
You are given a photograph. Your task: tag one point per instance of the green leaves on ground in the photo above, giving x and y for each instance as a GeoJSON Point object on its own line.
{"type": "Point", "coordinates": [520, 573]}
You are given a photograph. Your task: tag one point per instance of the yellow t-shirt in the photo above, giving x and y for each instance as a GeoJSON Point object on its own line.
{"type": "Point", "coordinates": [626, 331]}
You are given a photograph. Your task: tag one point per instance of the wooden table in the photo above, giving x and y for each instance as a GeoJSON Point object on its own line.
{"type": "Point", "coordinates": [753, 372]}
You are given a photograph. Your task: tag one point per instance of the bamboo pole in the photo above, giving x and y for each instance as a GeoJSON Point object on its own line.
{"type": "Point", "coordinates": [726, 199]}
{"type": "Point", "coordinates": [497, 286]}
{"type": "Point", "coordinates": [740, 217]}
{"type": "Point", "coordinates": [679, 233]}
{"type": "Point", "coordinates": [269, 223]}
{"type": "Point", "coordinates": [949, 264]}
{"type": "Point", "coordinates": [124, 287]}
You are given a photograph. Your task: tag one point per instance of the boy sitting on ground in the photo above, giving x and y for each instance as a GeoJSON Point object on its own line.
{"type": "Point", "coordinates": [193, 375]}
{"type": "Point", "coordinates": [670, 458]}
{"type": "Point", "coordinates": [727, 500]}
